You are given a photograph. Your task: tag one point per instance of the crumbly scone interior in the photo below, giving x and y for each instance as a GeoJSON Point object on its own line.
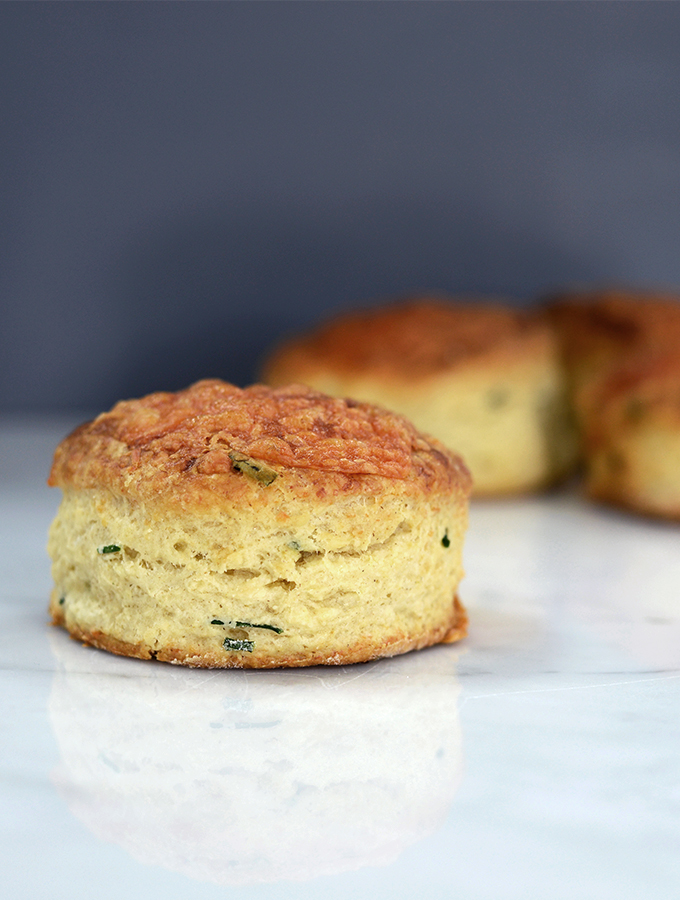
{"type": "Point", "coordinates": [235, 590]}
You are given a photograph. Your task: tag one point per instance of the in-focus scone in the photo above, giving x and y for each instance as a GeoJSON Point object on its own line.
{"type": "Point", "coordinates": [482, 377]}
{"type": "Point", "coordinates": [223, 527]}
{"type": "Point", "coordinates": [622, 353]}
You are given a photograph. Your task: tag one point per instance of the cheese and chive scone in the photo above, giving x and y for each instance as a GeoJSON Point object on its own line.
{"type": "Point", "coordinates": [256, 528]}
{"type": "Point", "coordinates": [622, 355]}
{"type": "Point", "coordinates": [481, 376]}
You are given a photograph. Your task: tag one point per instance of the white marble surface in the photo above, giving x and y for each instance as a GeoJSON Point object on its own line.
{"type": "Point", "coordinates": [538, 759]}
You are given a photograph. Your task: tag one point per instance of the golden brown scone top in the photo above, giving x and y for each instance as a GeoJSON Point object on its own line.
{"type": "Point", "coordinates": [615, 321]}
{"type": "Point", "coordinates": [216, 429]}
{"type": "Point", "coordinates": [418, 335]}
{"type": "Point", "coordinates": [616, 343]}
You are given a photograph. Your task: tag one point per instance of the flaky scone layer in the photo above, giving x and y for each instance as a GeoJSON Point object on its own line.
{"type": "Point", "coordinates": [175, 541]}
{"type": "Point", "coordinates": [483, 377]}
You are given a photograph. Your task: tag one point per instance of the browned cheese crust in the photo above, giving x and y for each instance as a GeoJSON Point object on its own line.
{"type": "Point", "coordinates": [601, 331]}
{"type": "Point", "coordinates": [182, 440]}
{"type": "Point", "coordinates": [410, 340]}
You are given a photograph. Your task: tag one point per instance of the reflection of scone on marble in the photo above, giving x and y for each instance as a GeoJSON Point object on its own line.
{"type": "Point", "coordinates": [482, 377]}
{"type": "Point", "coordinates": [223, 527]}
{"type": "Point", "coordinates": [622, 352]}
{"type": "Point", "coordinates": [261, 776]}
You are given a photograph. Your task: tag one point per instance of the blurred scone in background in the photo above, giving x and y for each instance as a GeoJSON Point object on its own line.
{"type": "Point", "coordinates": [482, 376]}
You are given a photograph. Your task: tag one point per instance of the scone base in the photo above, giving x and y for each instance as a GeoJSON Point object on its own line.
{"type": "Point", "coordinates": [448, 633]}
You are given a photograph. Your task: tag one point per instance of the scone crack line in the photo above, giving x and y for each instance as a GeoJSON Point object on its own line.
{"type": "Point", "coordinates": [306, 556]}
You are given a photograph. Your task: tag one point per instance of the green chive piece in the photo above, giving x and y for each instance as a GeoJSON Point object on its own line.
{"type": "Point", "coordinates": [497, 397]}
{"type": "Point", "coordinates": [108, 548]}
{"type": "Point", "coordinates": [234, 644]}
{"type": "Point", "coordinates": [252, 469]}
{"type": "Point", "coordinates": [62, 600]}
{"type": "Point", "coordinates": [253, 625]}
{"type": "Point", "coordinates": [237, 624]}
{"type": "Point", "coordinates": [446, 541]}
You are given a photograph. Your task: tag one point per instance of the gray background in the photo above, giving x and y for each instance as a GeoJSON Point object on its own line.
{"type": "Point", "coordinates": [181, 184]}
